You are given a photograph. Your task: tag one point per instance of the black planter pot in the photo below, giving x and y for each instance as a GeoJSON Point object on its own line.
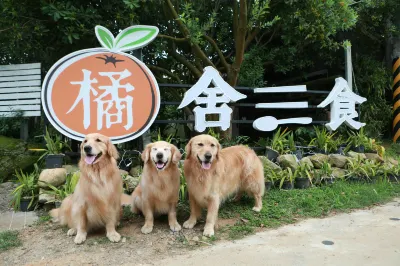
{"type": "Point", "coordinates": [54, 161]}
{"type": "Point", "coordinates": [354, 179]}
{"type": "Point", "coordinates": [340, 150]}
{"type": "Point", "coordinates": [359, 149]}
{"type": "Point", "coordinates": [302, 182]}
{"type": "Point", "coordinates": [268, 185]}
{"type": "Point", "coordinates": [287, 185]}
{"type": "Point", "coordinates": [328, 181]}
{"type": "Point", "coordinates": [23, 206]}
{"type": "Point", "coordinates": [299, 154]}
{"type": "Point", "coordinates": [393, 178]}
{"type": "Point", "coordinates": [271, 154]}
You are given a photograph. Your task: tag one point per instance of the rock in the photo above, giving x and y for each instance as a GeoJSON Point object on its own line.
{"type": "Point", "coordinates": [135, 171]}
{"type": "Point", "coordinates": [196, 238]}
{"type": "Point", "coordinates": [337, 160]}
{"type": "Point", "coordinates": [123, 240]}
{"type": "Point", "coordinates": [71, 168]}
{"type": "Point", "coordinates": [44, 197]}
{"type": "Point", "coordinates": [268, 164]}
{"type": "Point", "coordinates": [204, 238]}
{"type": "Point", "coordinates": [374, 157]}
{"type": "Point", "coordinates": [318, 160]}
{"type": "Point", "coordinates": [55, 177]}
{"type": "Point", "coordinates": [123, 172]}
{"type": "Point", "coordinates": [288, 161]}
{"type": "Point", "coordinates": [130, 182]}
{"type": "Point", "coordinates": [338, 172]}
{"type": "Point", "coordinates": [356, 155]}
{"type": "Point", "coordinates": [393, 162]}
{"type": "Point", "coordinates": [306, 161]}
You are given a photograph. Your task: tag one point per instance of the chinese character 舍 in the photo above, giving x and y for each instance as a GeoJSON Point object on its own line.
{"type": "Point", "coordinates": [222, 92]}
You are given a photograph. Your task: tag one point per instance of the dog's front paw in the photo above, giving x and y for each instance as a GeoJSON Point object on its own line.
{"type": "Point", "coordinates": [257, 209]}
{"type": "Point", "coordinates": [147, 229]}
{"type": "Point", "coordinates": [71, 232]}
{"type": "Point", "coordinates": [114, 237]}
{"type": "Point", "coordinates": [208, 231]}
{"type": "Point", "coordinates": [80, 238]}
{"type": "Point", "coordinates": [189, 224]}
{"type": "Point", "coordinates": [175, 227]}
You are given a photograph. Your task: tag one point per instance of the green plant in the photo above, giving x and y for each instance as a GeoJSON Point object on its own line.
{"type": "Point", "coordinates": [270, 174]}
{"type": "Point", "coordinates": [279, 141]}
{"type": "Point", "coordinates": [303, 171]}
{"type": "Point", "coordinates": [285, 175]}
{"type": "Point", "coordinates": [160, 138]}
{"type": "Point", "coordinates": [357, 139]}
{"type": "Point", "coordinates": [355, 169]}
{"type": "Point", "coordinates": [54, 145]}
{"type": "Point", "coordinates": [304, 134]}
{"type": "Point", "coordinates": [182, 186]}
{"type": "Point", "coordinates": [291, 142]}
{"type": "Point", "coordinates": [11, 126]}
{"type": "Point", "coordinates": [323, 139]}
{"type": "Point", "coordinates": [325, 172]}
{"type": "Point", "coordinates": [66, 189]}
{"type": "Point", "coordinates": [27, 187]}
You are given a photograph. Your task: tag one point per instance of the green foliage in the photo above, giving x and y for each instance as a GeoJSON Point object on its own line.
{"type": "Point", "coordinates": [357, 139]}
{"type": "Point", "coordinates": [285, 175]}
{"type": "Point", "coordinates": [54, 145]}
{"type": "Point", "coordinates": [10, 126]}
{"type": "Point", "coordinates": [279, 141]}
{"type": "Point", "coordinates": [324, 140]}
{"type": "Point", "coordinates": [9, 239]}
{"type": "Point", "coordinates": [183, 186]}
{"type": "Point", "coordinates": [66, 189]}
{"type": "Point", "coordinates": [356, 169]}
{"type": "Point", "coordinates": [303, 171]}
{"type": "Point", "coordinates": [27, 187]}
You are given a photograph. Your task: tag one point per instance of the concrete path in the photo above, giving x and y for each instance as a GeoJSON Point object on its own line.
{"type": "Point", "coordinates": [16, 220]}
{"type": "Point", "coordinates": [366, 237]}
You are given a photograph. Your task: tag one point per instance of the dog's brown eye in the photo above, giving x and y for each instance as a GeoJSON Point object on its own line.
{"type": "Point", "coordinates": [98, 140]}
{"type": "Point", "coordinates": [201, 144]}
{"type": "Point", "coordinates": [85, 141]}
{"type": "Point", "coordinates": [212, 145]}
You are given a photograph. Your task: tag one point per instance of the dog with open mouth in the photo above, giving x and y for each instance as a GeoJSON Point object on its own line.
{"type": "Point", "coordinates": [96, 201]}
{"type": "Point", "coordinates": [158, 191]}
{"type": "Point", "coordinates": [212, 174]}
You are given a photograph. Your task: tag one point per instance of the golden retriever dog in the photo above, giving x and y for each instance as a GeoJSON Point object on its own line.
{"type": "Point", "coordinates": [212, 174]}
{"type": "Point", "coordinates": [158, 191]}
{"type": "Point", "coordinates": [96, 201]}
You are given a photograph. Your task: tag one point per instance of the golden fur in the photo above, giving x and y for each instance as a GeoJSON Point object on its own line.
{"type": "Point", "coordinates": [212, 174]}
{"type": "Point", "coordinates": [158, 191]}
{"type": "Point", "coordinates": [96, 201]}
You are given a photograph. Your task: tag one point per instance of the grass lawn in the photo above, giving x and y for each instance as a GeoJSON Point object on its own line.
{"type": "Point", "coordinates": [285, 207]}
{"type": "Point", "coordinates": [9, 239]}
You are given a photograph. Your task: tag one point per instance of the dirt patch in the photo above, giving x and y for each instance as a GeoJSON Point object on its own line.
{"type": "Point", "coordinates": [48, 244]}
{"type": "Point", "coordinates": [5, 197]}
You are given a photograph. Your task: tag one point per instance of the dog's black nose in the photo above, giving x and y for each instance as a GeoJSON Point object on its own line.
{"type": "Point", "coordinates": [87, 148]}
{"type": "Point", "coordinates": [159, 155]}
{"type": "Point", "coordinates": [207, 156]}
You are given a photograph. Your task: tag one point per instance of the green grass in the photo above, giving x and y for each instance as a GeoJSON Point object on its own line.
{"type": "Point", "coordinates": [285, 207]}
{"type": "Point", "coordinates": [9, 239]}
{"type": "Point", "coordinates": [43, 219]}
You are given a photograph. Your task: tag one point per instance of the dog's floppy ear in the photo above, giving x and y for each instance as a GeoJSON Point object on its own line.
{"type": "Point", "coordinates": [219, 148]}
{"type": "Point", "coordinates": [146, 153]}
{"type": "Point", "coordinates": [188, 149]}
{"type": "Point", "coordinates": [176, 154]}
{"type": "Point", "coordinates": [112, 150]}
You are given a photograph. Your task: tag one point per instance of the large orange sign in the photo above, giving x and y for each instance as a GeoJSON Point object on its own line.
{"type": "Point", "coordinates": [103, 89]}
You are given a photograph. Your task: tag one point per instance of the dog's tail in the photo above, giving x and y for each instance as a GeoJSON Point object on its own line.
{"type": "Point", "coordinates": [54, 213]}
{"type": "Point", "coordinates": [126, 200]}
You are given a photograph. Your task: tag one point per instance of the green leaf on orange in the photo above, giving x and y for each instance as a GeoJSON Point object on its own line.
{"type": "Point", "coordinates": [135, 37]}
{"type": "Point", "coordinates": [105, 37]}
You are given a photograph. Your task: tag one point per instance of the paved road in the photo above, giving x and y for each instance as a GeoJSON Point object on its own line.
{"type": "Point", "coordinates": [366, 237]}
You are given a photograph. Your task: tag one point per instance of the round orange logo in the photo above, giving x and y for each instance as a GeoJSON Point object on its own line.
{"type": "Point", "coordinates": [103, 89]}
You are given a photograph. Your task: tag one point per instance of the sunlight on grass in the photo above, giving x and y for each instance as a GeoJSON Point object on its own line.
{"type": "Point", "coordinates": [285, 207]}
